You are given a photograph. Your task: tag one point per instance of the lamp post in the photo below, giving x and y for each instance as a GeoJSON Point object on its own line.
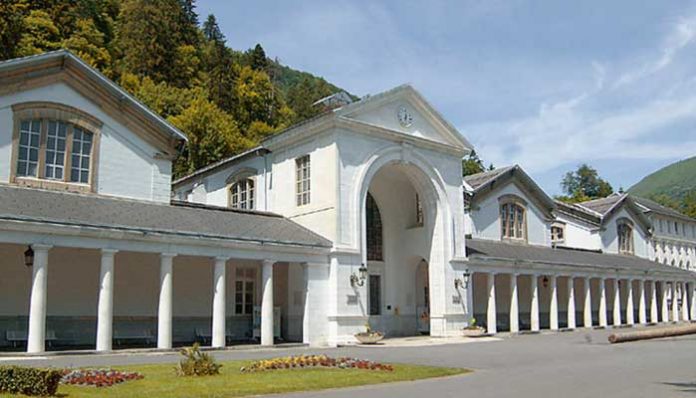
{"type": "Point", "coordinates": [359, 280]}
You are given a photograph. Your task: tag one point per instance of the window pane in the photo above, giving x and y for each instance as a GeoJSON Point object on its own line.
{"type": "Point", "coordinates": [28, 151]}
{"type": "Point", "coordinates": [81, 155]}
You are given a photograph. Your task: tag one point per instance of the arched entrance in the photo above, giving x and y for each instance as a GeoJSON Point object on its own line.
{"type": "Point", "coordinates": [402, 236]}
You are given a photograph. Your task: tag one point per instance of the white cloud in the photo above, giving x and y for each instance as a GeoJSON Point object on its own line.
{"type": "Point", "coordinates": [683, 33]}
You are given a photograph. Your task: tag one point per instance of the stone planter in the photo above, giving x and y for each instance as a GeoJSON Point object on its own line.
{"type": "Point", "coordinates": [474, 332]}
{"type": "Point", "coordinates": [369, 338]}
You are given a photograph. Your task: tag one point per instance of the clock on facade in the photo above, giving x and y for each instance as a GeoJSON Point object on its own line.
{"type": "Point", "coordinates": [405, 117]}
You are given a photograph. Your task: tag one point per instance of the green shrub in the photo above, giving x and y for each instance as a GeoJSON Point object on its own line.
{"type": "Point", "coordinates": [197, 363]}
{"type": "Point", "coordinates": [29, 381]}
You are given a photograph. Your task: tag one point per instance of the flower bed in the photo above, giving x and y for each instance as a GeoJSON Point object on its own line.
{"type": "Point", "coordinates": [309, 361]}
{"type": "Point", "coordinates": [97, 377]}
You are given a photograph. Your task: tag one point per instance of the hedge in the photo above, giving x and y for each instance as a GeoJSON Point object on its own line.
{"type": "Point", "coordinates": [29, 381]}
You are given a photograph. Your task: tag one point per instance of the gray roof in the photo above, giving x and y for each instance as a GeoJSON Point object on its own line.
{"type": "Point", "coordinates": [61, 208]}
{"type": "Point", "coordinates": [479, 179]}
{"type": "Point", "coordinates": [602, 205]}
{"type": "Point", "coordinates": [659, 209]}
{"type": "Point", "coordinates": [99, 78]}
{"type": "Point", "coordinates": [490, 249]}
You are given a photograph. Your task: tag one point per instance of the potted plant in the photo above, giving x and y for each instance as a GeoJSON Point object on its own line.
{"type": "Point", "coordinates": [473, 330]}
{"type": "Point", "coordinates": [369, 336]}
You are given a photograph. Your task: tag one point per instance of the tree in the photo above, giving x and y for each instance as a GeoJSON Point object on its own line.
{"type": "Point", "coordinates": [258, 59]}
{"type": "Point", "coordinates": [255, 99]}
{"type": "Point", "coordinates": [688, 205]}
{"type": "Point", "coordinates": [87, 42]}
{"type": "Point", "coordinates": [40, 34]}
{"type": "Point", "coordinates": [212, 32]}
{"type": "Point", "coordinates": [472, 164]}
{"type": "Point", "coordinates": [585, 184]}
{"type": "Point", "coordinates": [12, 13]}
{"type": "Point", "coordinates": [212, 135]}
{"type": "Point", "coordinates": [150, 40]}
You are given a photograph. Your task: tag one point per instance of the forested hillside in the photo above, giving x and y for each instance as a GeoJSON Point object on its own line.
{"type": "Point", "coordinates": [673, 186]}
{"type": "Point", "coordinates": [224, 99]}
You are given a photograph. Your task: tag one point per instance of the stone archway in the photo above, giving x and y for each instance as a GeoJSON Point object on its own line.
{"type": "Point", "coordinates": [434, 245]}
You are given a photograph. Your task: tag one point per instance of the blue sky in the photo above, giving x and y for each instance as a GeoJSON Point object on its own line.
{"type": "Point", "coordinates": [544, 84]}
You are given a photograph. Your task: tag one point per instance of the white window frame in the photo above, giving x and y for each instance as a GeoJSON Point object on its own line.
{"type": "Point", "coordinates": [624, 235]}
{"type": "Point", "coordinates": [243, 194]}
{"type": "Point", "coordinates": [245, 276]}
{"type": "Point", "coordinates": [303, 180]}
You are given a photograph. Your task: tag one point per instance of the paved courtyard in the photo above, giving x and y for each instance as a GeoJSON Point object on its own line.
{"type": "Point", "coordinates": [572, 364]}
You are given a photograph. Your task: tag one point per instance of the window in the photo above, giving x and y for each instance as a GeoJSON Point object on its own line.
{"type": "Point", "coordinates": [303, 178]}
{"type": "Point", "coordinates": [374, 230]}
{"type": "Point", "coordinates": [467, 202]}
{"type": "Point", "coordinates": [676, 228]}
{"type": "Point", "coordinates": [53, 146]}
{"type": "Point", "coordinates": [625, 232]}
{"type": "Point", "coordinates": [375, 295]}
{"type": "Point", "coordinates": [512, 221]}
{"type": "Point", "coordinates": [28, 156]}
{"type": "Point", "coordinates": [242, 194]}
{"type": "Point", "coordinates": [557, 233]}
{"type": "Point", "coordinates": [419, 211]}
{"type": "Point", "coordinates": [245, 279]}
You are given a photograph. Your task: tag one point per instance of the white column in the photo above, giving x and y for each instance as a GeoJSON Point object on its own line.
{"type": "Point", "coordinates": [491, 316]}
{"type": "Point", "coordinates": [219, 301]}
{"type": "Point", "coordinates": [630, 318]}
{"type": "Point", "coordinates": [685, 303]}
{"type": "Point", "coordinates": [675, 303]}
{"type": "Point", "coordinates": [514, 305]}
{"type": "Point", "coordinates": [553, 306]}
{"type": "Point", "coordinates": [267, 303]}
{"type": "Point", "coordinates": [36, 341]}
{"type": "Point", "coordinates": [571, 302]}
{"type": "Point", "coordinates": [164, 314]}
{"type": "Point", "coordinates": [642, 311]}
{"type": "Point", "coordinates": [653, 302]}
{"type": "Point", "coordinates": [617, 303]}
{"type": "Point", "coordinates": [665, 307]}
{"type": "Point", "coordinates": [692, 285]}
{"type": "Point", "coordinates": [602, 302]}
{"type": "Point", "coordinates": [587, 304]}
{"type": "Point", "coordinates": [105, 310]}
{"type": "Point", "coordinates": [534, 307]}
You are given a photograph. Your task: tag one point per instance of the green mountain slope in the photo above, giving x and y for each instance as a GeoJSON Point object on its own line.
{"type": "Point", "coordinates": [674, 181]}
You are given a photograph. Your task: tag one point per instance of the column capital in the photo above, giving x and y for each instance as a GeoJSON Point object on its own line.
{"type": "Point", "coordinates": [221, 258]}
{"type": "Point", "coordinates": [108, 252]}
{"type": "Point", "coordinates": [40, 246]}
{"type": "Point", "coordinates": [168, 255]}
{"type": "Point", "coordinates": [268, 262]}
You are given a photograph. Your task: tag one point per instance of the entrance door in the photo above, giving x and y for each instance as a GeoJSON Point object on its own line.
{"type": "Point", "coordinates": [423, 298]}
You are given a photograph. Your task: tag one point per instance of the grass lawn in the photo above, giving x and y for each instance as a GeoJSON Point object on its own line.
{"type": "Point", "coordinates": [161, 381]}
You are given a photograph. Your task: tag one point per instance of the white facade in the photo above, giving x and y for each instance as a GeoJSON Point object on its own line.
{"type": "Point", "coordinates": [355, 217]}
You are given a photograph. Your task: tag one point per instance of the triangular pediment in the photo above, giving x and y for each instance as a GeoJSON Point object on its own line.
{"type": "Point", "coordinates": [403, 110]}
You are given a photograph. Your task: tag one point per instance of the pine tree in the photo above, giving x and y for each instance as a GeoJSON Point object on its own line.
{"type": "Point", "coordinates": [472, 164]}
{"type": "Point", "coordinates": [212, 32]}
{"type": "Point", "coordinates": [258, 58]}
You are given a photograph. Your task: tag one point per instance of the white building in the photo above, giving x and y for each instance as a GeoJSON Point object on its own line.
{"type": "Point", "coordinates": [357, 216]}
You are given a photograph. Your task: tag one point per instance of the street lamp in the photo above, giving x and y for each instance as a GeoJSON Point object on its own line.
{"type": "Point", "coordinates": [29, 257]}
{"type": "Point", "coordinates": [359, 280]}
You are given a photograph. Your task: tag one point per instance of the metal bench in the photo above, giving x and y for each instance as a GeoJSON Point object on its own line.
{"type": "Point", "coordinates": [205, 335]}
{"type": "Point", "coordinates": [17, 337]}
{"type": "Point", "coordinates": [145, 335]}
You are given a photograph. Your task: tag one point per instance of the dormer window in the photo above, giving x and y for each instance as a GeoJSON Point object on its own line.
{"type": "Point", "coordinates": [557, 233]}
{"type": "Point", "coordinates": [54, 146]}
{"type": "Point", "coordinates": [242, 194]}
{"type": "Point", "coordinates": [242, 189]}
{"type": "Point", "coordinates": [513, 223]}
{"type": "Point", "coordinates": [624, 231]}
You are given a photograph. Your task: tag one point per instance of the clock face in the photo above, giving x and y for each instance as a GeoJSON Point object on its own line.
{"type": "Point", "coordinates": [405, 117]}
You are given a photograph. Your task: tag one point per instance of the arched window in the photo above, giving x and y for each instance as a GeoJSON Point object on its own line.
{"type": "Point", "coordinates": [513, 222]}
{"type": "Point", "coordinates": [624, 229]}
{"type": "Point", "coordinates": [54, 146]}
{"type": "Point", "coordinates": [242, 194]}
{"type": "Point", "coordinates": [375, 249]}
